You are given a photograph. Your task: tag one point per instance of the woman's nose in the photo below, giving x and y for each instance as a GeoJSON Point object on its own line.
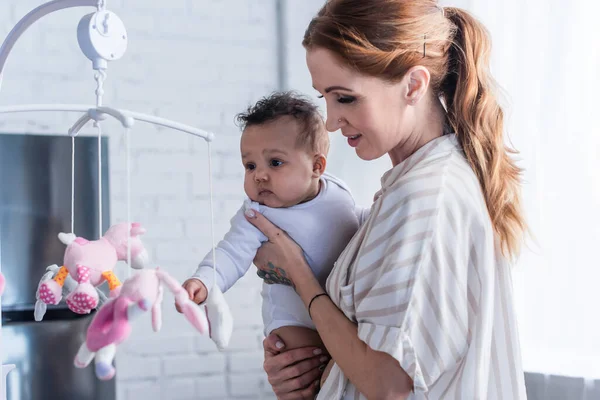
{"type": "Point", "coordinates": [333, 123]}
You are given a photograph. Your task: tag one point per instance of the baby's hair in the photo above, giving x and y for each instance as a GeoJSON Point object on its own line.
{"type": "Point", "coordinates": [313, 134]}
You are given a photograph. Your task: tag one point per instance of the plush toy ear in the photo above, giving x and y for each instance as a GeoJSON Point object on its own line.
{"type": "Point", "coordinates": [109, 325]}
{"type": "Point", "coordinates": [137, 229]}
{"type": "Point", "coordinates": [194, 314]}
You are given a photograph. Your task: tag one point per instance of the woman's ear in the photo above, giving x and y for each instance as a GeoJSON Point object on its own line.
{"type": "Point", "coordinates": [418, 79]}
{"type": "Point", "coordinates": [319, 164]}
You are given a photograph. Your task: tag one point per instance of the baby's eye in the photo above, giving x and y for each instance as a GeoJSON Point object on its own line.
{"type": "Point", "coordinates": [276, 163]}
{"type": "Point", "coordinates": [250, 166]}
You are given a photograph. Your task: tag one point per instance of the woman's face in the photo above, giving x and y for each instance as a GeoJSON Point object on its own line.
{"type": "Point", "coordinates": [372, 113]}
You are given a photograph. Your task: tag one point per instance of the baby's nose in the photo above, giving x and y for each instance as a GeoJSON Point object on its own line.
{"type": "Point", "coordinates": [261, 175]}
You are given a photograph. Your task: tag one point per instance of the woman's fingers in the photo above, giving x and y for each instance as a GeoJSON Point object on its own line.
{"type": "Point", "coordinates": [301, 374]}
{"type": "Point", "coordinates": [292, 364]}
{"type": "Point", "coordinates": [264, 255]}
{"type": "Point", "coordinates": [309, 384]}
{"type": "Point", "coordinates": [273, 344]}
{"type": "Point", "coordinates": [271, 231]}
{"type": "Point", "coordinates": [293, 374]}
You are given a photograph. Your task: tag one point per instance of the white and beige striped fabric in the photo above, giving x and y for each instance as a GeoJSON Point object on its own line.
{"type": "Point", "coordinates": [425, 283]}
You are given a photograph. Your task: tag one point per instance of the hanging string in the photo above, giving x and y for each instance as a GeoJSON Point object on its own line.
{"type": "Point", "coordinates": [100, 230]}
{"type": "Point", "coordinates": [100, 76]}
{"type": "Point", "coordinates": [73, 184]}
{"type": "Point", "coordinates": [128, 198]}
{"type": "Point", "coordinates": [212, 215]}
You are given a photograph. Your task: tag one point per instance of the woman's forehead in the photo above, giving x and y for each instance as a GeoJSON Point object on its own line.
{"type": "Point", "coordinates": [326, 69]}
{"type": "Point", "coordinates": [329, 73]}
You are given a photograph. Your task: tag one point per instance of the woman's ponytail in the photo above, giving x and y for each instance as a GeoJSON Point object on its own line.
{"type": "Point", "coordinates": [477, 118]}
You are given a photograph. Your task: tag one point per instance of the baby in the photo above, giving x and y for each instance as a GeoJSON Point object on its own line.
{"type": "Point", "coordinates": [284, 145]}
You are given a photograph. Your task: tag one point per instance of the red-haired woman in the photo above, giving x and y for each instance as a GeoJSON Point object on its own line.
{"type": "Point", "coordinates": [420, 303]}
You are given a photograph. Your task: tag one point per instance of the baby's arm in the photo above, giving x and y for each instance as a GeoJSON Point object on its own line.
{"type": "Point", "coordinates": [233, 255]}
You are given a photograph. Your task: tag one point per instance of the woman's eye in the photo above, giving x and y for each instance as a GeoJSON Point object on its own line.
{"type": "Point", "coordinates": [276, 163]}
{"type": "Point", "coordinates": [346, 99]}
{"type": "Point", "coordinates": [250, 166]}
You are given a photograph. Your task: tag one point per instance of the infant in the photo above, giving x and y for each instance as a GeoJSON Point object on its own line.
{"type": "Point", "coordinates": [284, 145]}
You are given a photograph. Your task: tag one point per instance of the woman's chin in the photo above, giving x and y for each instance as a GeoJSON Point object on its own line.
{"type": "Point", "coordinates": [366, 155]}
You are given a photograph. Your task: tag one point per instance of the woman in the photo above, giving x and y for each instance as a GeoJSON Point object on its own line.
{"type": "Point", "coordinates": [420, 303]}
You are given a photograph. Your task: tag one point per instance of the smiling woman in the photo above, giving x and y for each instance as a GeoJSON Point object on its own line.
{"type": "Point", "coordinates": [365, 106]}
{"type": "Point", "coordinates": [419, 305]}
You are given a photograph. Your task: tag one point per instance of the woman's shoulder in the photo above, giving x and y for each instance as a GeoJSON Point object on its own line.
{"type": "Point", "coordinates": [431, 175]}
{"type": "Point", "coordinates": [443, 183]}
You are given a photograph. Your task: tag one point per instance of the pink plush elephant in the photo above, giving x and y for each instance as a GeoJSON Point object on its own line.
{"type": "Point", "coordinates": [112, 323]}
{"type": "Point", "coordinates": [90, 263]}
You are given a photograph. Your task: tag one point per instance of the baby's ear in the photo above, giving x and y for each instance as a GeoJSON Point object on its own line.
{"type": "Point", "coordinates": [319, 164]}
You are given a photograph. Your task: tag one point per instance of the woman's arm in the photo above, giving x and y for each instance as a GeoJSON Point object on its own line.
{"type": "Point", "coordinates": [375, 374]}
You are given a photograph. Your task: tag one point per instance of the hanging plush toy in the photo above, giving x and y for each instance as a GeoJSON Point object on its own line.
{"type": "Point", "coordinates": [69, 286]}
{"type": "Point", "coordinates": [112, 323]}
{"type": "Point", "coordinates": [91, 263]}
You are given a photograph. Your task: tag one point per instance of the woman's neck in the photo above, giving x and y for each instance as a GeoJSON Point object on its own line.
{"type": "Point", "coordinates": [430, 125]}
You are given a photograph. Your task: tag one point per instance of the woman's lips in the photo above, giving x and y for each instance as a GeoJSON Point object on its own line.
{"type": "Point", "coordinates": [354, 140]}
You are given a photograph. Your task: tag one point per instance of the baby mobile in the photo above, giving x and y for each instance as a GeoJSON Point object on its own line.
{"type": "Point", "coordinates": [87, 264]}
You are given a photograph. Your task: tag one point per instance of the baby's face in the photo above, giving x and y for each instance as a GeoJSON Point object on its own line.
{"type": "Point", "coordinates": [278, 173]}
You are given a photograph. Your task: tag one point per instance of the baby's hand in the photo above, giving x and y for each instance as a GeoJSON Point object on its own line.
{"type": "Point", "coordinates": [196, 290]}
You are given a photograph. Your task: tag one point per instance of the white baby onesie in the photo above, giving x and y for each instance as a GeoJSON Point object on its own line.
{"type": "Point", "coordinates": [322, 227]}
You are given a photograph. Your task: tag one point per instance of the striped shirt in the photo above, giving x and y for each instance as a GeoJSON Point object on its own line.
{"type": "Point", "coordinates": [425, 282]}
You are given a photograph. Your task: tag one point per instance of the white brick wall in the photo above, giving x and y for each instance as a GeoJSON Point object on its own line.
{"type": "Point", "coordinates": [197, 62]}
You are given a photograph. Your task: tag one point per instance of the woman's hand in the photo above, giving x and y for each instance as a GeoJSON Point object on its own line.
{"type": "Point", "coordinates": [280, 260]}
{"type": "Point", "coordinates": [293, 374]}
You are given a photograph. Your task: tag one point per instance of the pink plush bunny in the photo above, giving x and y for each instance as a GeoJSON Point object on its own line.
{"type": "Point", "coordinates": [112, 323]}
{"type": "Point", "coordinates": [92, 262]}
{"type": "Point", "coordinates": [2, 282]}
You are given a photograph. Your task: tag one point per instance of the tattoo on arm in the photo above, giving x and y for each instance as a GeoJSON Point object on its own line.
{"type": "Point", "coordinates": [274, 275]}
